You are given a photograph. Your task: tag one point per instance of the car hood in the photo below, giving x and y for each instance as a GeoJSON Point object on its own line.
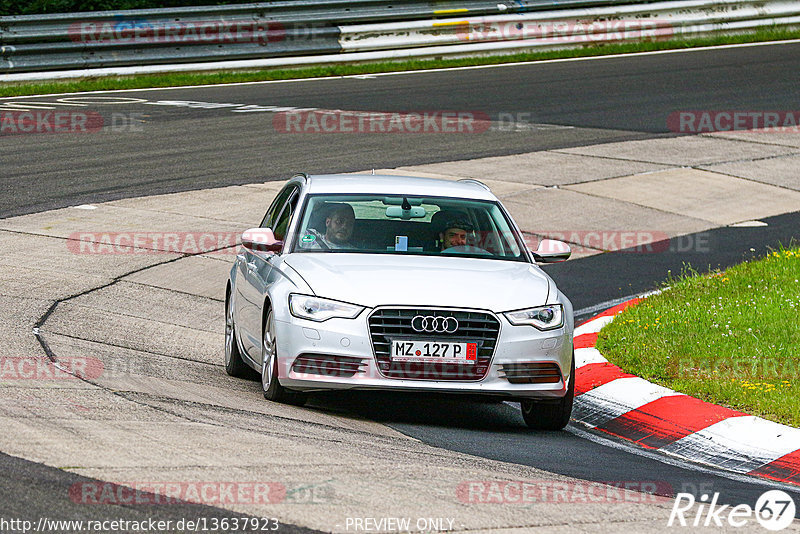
{"type": "Point", "coordinates": [373, 280]}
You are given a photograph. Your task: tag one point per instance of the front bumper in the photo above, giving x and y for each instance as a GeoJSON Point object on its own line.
{"type": "Point", "coordinates": [350, 338]}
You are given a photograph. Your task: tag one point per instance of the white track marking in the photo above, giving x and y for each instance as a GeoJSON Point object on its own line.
{"type": "Point", "coordinates": [618, 397]}
{"type": "Point", "coordinates": [740, 444]}
{"type": "Point", "coordinates": [593, 326]}
{"type": "Point", "coordinates": [587, 356]}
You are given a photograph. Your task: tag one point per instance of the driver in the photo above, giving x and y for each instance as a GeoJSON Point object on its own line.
{"type": "Point", "coordinates": [455, 233]}
{"type": "Point", "coordinates": [338, 228]}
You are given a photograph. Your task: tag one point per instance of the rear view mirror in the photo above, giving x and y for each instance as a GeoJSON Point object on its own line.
{"type": "Point", "coordinates": [397, 212]}
{"type": "Point", "coordinates": [261, 240]}
{"type": "Point", "coordinates": [551, 251]}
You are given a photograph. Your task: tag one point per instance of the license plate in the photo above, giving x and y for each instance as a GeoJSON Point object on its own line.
{"type": "Point", "coordinates": [434, 351]}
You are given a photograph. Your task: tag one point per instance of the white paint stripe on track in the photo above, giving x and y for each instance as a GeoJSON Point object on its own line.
{"type": "Point", "coordinates": [593, 326]}
{"type": "Point", "coordinates": [587, 356]}
{"type": "Point", "coordinates": [614, 302]}
{"type": "Point", "coordinates": [740, 444]}
{"type": "Point", "coordinates": [618, 397]}
{"type": "Point", "coordinates": [605, 305]}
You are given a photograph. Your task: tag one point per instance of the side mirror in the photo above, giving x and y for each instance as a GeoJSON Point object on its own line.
{"type": "Point", "coordinates": [261, 240]}
{"type": "Point", "coordinates": [551, 251]}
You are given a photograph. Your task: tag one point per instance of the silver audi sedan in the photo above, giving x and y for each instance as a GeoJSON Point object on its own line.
{"type": "Point", "coordinates": [399, 283]}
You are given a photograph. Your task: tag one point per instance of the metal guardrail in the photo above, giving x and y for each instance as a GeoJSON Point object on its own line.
{"type": "Point", "coordinates": [217, 33]}
{"type": "Point", "coordinates": [576, 27]}
{"type": "Point", "coordinates": [300, 32]}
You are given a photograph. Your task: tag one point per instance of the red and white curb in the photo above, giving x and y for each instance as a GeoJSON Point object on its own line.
{"type": "Point", "coordinates": [612, 401]}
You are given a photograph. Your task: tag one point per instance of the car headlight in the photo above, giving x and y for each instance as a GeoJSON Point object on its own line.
{"type": "Point", "coordinates": [319, 309]}
{"type": "Point", "coordinates": [542, 317]}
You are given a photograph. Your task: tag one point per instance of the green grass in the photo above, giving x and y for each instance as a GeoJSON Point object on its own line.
{"type": "Point", "coordinates": [188, 79]}
{"type": "Point", "coordinates": [731, 338]}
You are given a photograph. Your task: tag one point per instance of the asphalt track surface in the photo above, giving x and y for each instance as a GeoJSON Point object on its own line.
{"type": "Point", "coordinates": [605, 100]}
{"type": "Point", "coordinates": [31, 491]}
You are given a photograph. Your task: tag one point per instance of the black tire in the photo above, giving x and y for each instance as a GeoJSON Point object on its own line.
{"type": "Point", "coordinates": [272, 389]}
{"type": "Point", "coordinates": [547, 414]}
{"type": "Point", "coordinates": [234, 364]}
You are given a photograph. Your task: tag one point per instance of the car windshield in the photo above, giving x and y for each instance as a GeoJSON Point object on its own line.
{"type": "Point", "coordinates": [397, 224]}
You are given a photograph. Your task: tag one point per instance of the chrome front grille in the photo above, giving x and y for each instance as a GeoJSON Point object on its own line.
{"type": "Point", "coordinates": [387, 324]}
{"type": "Point", "coordinates": [328, 365]}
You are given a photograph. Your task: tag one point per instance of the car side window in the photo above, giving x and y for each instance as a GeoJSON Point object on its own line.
{"type": "Point", "coordinates": [282, 222]}
{"type": "Point", "coordinates": [277, 205]}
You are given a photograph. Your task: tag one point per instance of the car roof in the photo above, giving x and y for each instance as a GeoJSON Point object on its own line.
{"type": "Point", "coordinates": [388, 185]}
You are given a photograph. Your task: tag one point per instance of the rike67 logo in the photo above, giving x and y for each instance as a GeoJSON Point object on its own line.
{"type": "Point", "coordinates": [774, 510]}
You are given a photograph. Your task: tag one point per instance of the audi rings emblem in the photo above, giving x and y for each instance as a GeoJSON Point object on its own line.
{"type": "Point", "coordinates": [433, 324]}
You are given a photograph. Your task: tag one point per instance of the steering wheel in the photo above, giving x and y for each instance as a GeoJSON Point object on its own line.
{"type": "Point", "coordinates": [466, 249]}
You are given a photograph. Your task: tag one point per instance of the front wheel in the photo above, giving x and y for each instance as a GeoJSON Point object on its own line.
{"type": "Point", "coordinates": [549, 415]}
{"type": "Point", "coordinates": [234, 364]}
{"type": "Point", "coordinates": [269, 369]}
